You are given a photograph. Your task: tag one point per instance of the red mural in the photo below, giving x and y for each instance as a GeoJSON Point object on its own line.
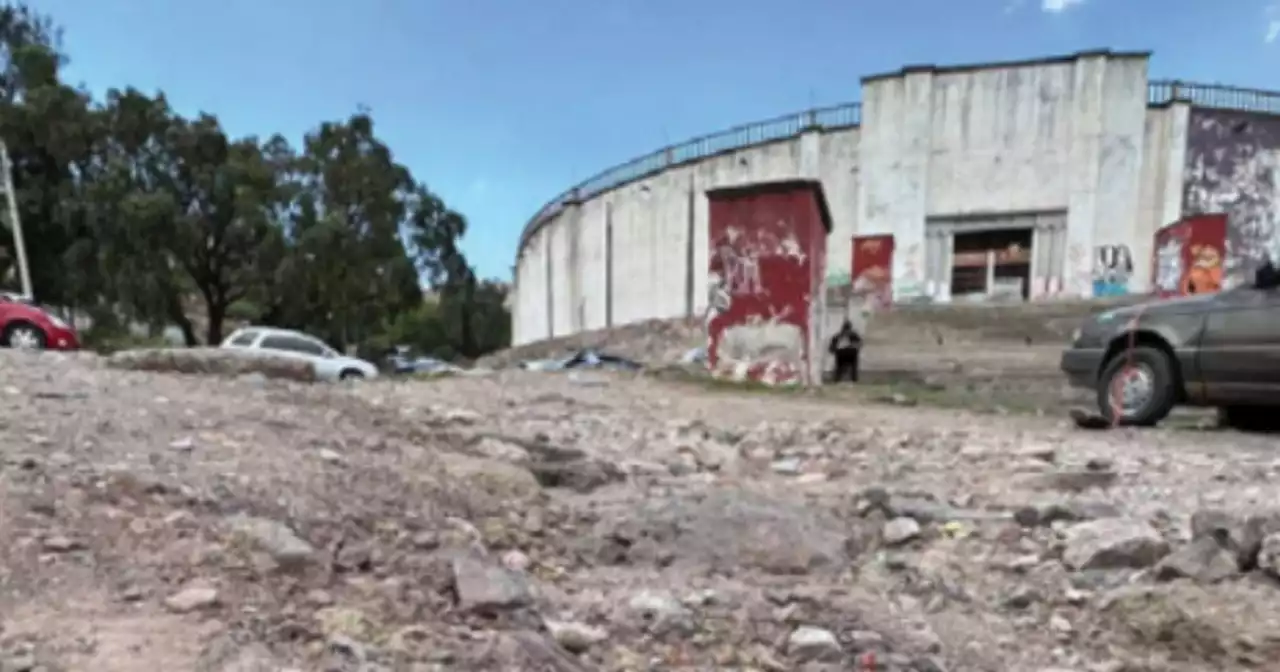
{"type": "Point", "coordinates": [873, 270]}
{"type": "Point", "coordinates": [767, 261]}
{"type": "Point", "coordinates": [1188, 256]}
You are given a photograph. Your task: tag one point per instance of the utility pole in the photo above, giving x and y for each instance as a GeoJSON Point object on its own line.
{"type": "Point", "coordinates": [15, 222]}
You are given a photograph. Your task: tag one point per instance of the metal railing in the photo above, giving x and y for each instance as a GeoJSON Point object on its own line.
{"type": "Point", "coordinates": [849, 115]}
{"type": "Point", "coordinates": [1216, 96]}
{"type": "Point", "coordinates": [786, 127]}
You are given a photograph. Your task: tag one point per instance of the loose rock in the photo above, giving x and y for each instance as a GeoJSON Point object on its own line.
{"type": "Point", "coordinates": [1113, 543]}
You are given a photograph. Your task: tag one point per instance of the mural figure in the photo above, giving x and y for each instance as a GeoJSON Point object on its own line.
{"type": "Point", "coordinates": [872, 277]}
{"type": "Point", "coordinates": [718, 298]}
{"type": "Point", "coordinates": [741, 269]}
{"type": "Point", "coordinates": [1112, 269]}
{"type": "Point", "coordinates": [1190, 256]}
{"type": "Point", "coordinates": [1205, 274]}
{"type": "Point", "coordinates": [1169, 280]}
{"type": "Point", "coordinates": [874, 287]}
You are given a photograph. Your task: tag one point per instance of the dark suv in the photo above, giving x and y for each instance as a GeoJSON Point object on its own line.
{"type": "Point", "coordinates": [1218, 350]}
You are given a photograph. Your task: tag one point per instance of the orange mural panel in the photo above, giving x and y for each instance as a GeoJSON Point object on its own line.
{"type": "Point", "coordinates": [1188, 256]}
{"type": "Point", "coordinates": [873, 269]}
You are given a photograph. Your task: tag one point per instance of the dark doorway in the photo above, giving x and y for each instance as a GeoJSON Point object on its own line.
{"type": "Point", "coordinates": [992, 264]}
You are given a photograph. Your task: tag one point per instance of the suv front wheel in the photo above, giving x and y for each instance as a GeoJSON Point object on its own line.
{"type": "Point", "coordinates": [1138, 387]}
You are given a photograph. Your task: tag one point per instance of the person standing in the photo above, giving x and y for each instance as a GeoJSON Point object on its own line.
{"type": "Point", "coordinates": [846, 346]}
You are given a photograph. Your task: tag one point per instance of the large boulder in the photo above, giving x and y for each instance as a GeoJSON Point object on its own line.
{"type": "Point", "coordinates": [212, 361]}
{"type": "Point", "coordinates": [723, 530]}
{"type": "Point", "coordinates": [1113, 543]}
{"type": "Point", "coordinates": [1239, 531]}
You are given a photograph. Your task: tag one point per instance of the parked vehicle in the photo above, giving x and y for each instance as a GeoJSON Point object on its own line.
{"type": "Point", "coordinates": [1216, 350]}
{"type": "Point", "coordinates": [26, 326]}
{"type": "Point", "coordinates": [404, 363]}
{"type": "Point", "coordinates": [583, 359]}
{"type": "Point", "coordinates": [329, 363]}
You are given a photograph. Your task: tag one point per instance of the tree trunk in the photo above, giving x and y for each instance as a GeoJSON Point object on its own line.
{"type": "Point", "coordinates": [178, 317]}
{"type": "Point", "coordinates": [217, 311]}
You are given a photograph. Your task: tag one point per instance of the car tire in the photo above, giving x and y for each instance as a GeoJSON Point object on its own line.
{"type": "Point", "coordinates": [24, 335]}
{"type": "Point", "coordinates": [1146, 409]}
{"type": "Point", "coordinates": [350, 374]}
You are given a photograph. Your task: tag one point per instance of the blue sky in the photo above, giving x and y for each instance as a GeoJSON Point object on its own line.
{"type": "Point", "coordinates": [499, 105]}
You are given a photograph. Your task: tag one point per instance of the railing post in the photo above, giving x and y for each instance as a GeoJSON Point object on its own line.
{"type": "Point", "coordinates": [1175, 92]}
{"type": "Point", "coordinates": [668, 156]}
{"type": "Point", "coordinates": [811, 119]}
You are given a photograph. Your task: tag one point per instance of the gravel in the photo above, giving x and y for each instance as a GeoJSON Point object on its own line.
{"type": "Point", "coordinates": [566, 522]}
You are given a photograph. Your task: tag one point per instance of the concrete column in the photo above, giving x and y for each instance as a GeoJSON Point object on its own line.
{"type": "Point", "coordinates": [916, 142]}
{"type": "Point", "coordinates": [894, 153]}
{"type": "Point", "coordinates": [991, 272]}
{"type": "Point", "coordinates": [1170, 200]}
{"type": "Point", "coordinates": [608, 264]}
{"type": "Point", "coordinates": [811, 154]}
{"type": "Point", "coordinates": [513, 304]}
{"type": "Point", "coordinates": [550, 284]}
{"type": "Point", "coordinates": [571, 223]}
{"type": "Point", "coordinates": [1083, 166]}
{"type": "Point", "coordinates": [811, 169]}
{"type": "Point", "coordinates": [690, 248]}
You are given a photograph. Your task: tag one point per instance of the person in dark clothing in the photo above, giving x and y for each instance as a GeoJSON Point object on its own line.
{"type": "Point", "coordinates": [846, 346]}
{"type": "Point", "coordinates": [1267, 276]}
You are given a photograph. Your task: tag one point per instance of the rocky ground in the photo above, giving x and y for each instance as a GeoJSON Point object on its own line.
{"type": "Point", "coordinates": [583, 521]}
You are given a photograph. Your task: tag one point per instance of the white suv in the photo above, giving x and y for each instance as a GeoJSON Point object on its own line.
{"type": "Point", "coordinates": [329, 363]}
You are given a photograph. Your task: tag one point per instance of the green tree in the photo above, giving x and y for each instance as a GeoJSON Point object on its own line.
{"type": "Point", "coordinates": [136, 214]}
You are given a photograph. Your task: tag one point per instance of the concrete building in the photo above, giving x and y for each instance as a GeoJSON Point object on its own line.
{"type": "Point", "coordinates": [1029, 180]}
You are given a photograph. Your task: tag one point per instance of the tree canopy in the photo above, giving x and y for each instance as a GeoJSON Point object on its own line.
{"type": "Point", "coordinates": [134, 214]}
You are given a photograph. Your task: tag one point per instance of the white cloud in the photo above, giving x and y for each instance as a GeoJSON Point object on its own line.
{"type": "Point", "coordinates": [1058, 6]}
{"type": "Point", "coordinates": [1273, 22]}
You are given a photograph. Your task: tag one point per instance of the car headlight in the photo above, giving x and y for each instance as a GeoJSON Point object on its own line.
{"type": "Point", "coordinates": [56, 321]}
{"type": "Point", "coordinates": [1075, 335]}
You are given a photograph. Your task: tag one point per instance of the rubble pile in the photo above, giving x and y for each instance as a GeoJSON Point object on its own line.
{"type": "Point", "coordinates": [212, 361]}
{"type": "Point", "coordinates": [527, 521]}
{"type": "Point", "coordinates": [651, 341]}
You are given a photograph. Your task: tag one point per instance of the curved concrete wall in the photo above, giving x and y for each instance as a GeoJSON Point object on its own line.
{"type": "Point", "coordinates": [1085, 136]}
{"type": "Point", "coordinates": [567, 281]}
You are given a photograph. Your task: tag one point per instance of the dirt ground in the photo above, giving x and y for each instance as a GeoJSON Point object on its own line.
{"type": "Point", "coordinates": [588, 521]}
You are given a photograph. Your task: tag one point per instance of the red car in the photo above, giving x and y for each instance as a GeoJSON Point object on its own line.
{"type": "Point", "coordinates": [26, 326]}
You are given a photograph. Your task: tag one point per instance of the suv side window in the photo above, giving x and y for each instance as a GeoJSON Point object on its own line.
{"type": "Point", "coordinates": [292, 344]}
{"type": "Point", "coordinates": [245, 339]}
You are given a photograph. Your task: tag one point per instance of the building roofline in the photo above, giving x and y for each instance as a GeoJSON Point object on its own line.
{"type": "Point", "coordinates": [997, 65]}
{"type": "Point", "coordinates": [775, 187]}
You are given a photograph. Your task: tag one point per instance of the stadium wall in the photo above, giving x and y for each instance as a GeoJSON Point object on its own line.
{"type": "Point", "coordinates": [1081, 152]}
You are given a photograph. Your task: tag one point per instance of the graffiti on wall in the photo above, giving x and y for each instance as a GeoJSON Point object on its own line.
{"type": "Point", "coordinates": [766, 266]}
{"type": "Point", "coordinates": [740, 266]}
{"type": "Point", "coordinates": [872, 266]}
{"type": "Point", "coordinates": [1189, 256]}
{"type": "Point", "coordinates": [1233, 168]}
{"type": "Point", "coordinates": [1169, 266]}
{"type": "Point", "coordinates": [1112, 270]}
{"type": "Point", "coordinates": [909, 285]}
